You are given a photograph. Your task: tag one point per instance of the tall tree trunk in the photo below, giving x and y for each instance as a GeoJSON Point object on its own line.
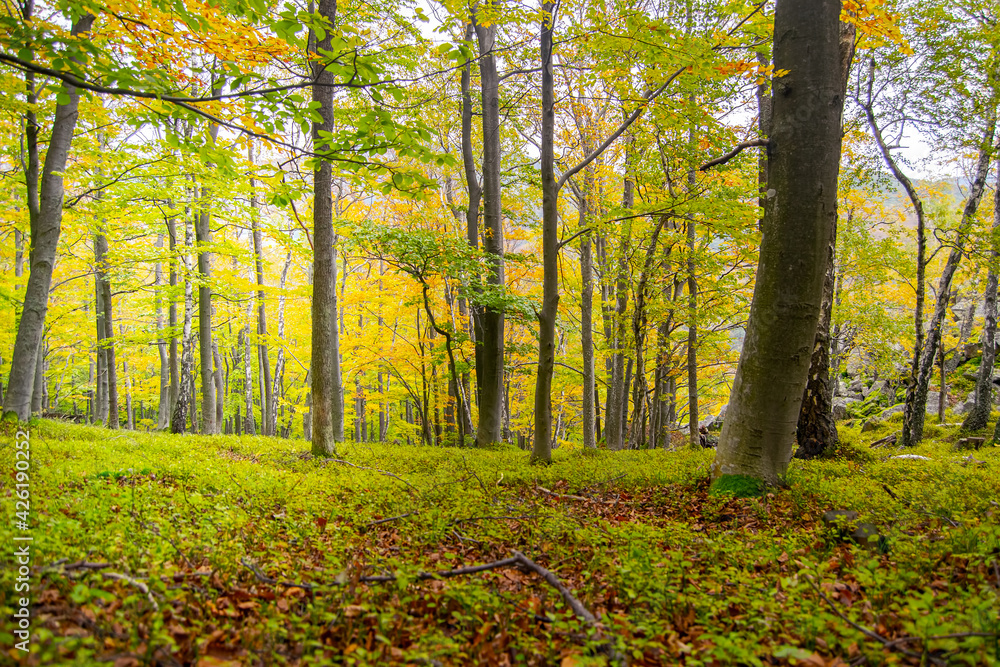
{"type": "Point", "coordinates": [267, 419]}
{"type": "Point", "coordinates": [817, 429]}
{"type": "Point", "coordinates": [694, 435]}
{"type": "Point", "coordinates": [279, 363]}
{"type": "Point", "coordinates": [101, 389]}
{"type": "Point", "coordinates": [804, 160]}
{"type": "Point", "coordinates": [163, 404]}
{"type": "Point", "coordinates": [586, 320]}
{"type": "Point", "coordinates": [491, 334]}
{"type": "Point", "coordinates": [617, 399]}
{"type": "Point", "coordinates": [174, 368]}
{"type": "Point", "coordinates": [44, 242]}
{"type": "Point", "coordinates": [980, 413]}
{"type": "Point", "coordinates": [913, 428]}
{"type": "Point", "coordinates": [185, 380]}
{"type": "Point", "coordinates": [107, 320]}
{"type": "Point", "coordinates": [249, 427]}
{"type": "Point", "coordinates": [327, 389]}
{"type": "Point", "coordinates": [542, 442]}
{"type": "Point", "coordinates": [203, 235]}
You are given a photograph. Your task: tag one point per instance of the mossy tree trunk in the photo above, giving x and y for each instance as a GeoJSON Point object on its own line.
{"type": "Point", "coordinates": [803, 164]}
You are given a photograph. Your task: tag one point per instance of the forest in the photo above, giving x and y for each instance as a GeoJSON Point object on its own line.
{"type": "Point", "coordinates": [430, 332]}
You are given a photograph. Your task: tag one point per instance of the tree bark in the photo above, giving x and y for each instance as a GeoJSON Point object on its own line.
{"type": "Point", "coordinates": [107, 320]}
{"type": "Point", "coordinates": [913, 421]}
{"type": "Point", "coordinates": [163, 404]}
{"type": "Point", "coordinates": [279, 363]}
{"type": "Point", "coordinates": [542, 442]}
{"type": "Point", "coordinates": [203, 235]}
{"type": "Point", "coordinates": [174, 369]}
{"type": "Point", "coordinates": [44, 243]}
{"type": "Point", "coordinates": [617, 398]}
{"type": "Point", "coordinates": [979, 416]}
{"type": "Point", "coordinates": [491, 315]}
{"type": "Point", "coordinates": [185, 381]}
{"type": "Point", "coordinates": [327, 389]}
{"type": "Point", "coordinates": [804, 160]}
{"type": "Point", "coordinates": [817, 429]}
{"type": "Point", "coordinates": [267, 419]}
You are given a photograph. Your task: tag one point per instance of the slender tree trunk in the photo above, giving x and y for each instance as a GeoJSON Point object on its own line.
{"type": "Point", "coordinates": [542, 443]}
{"type": "Point", "coordinates": [108, 322]}
{"type": "Point", "coordinates": [617, 399]}
{"type": "Point", "coordinates": [586, 321]}
{"type": "Point", "coordinates": [163, 404]}
{"type": "Point", "coordinates": [267, 419]}
{"type": "Point", "coordinates": [44, 242]}
{"type": "Point", "coordinates": [101, 400]}
{"type": "Point", "coordinates": [185, 380]}
{"type": "Point", "coordinates": [327, 389]}
{"type": "Point", "coordinates": [491, 334]}
{"type": "Point", "coordinates": [804, 160]}
{"type": "Point", "coordinates": [249, 426]}
{"type": "Point", "coordinates": [914, 426]}
{"type": "Point", "coordinates": [203, 235]}
{"type": "Point", "coordinates": [279, 364]}
{"type": "Point", "coordinates": [694, 435]}
{"type": "Point", "coordinates": [174, 363]}
{"type": "Point", "coordinates": [980, 414]}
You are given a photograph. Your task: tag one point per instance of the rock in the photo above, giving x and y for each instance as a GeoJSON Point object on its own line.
{"type": "Point", "coordinates": [855, 397]}
{"type": "Point", "coordinates": [969, 444]}
{"type": "Point", "coordinates": [911, 457]}
{"type": "Point", "coordinates": [879, 387]}
{"type": "Point", "coordinates": [870, 425]}
{"type": "Point", "coordinates": [715, 424]}
{"type": "Point", "coordinates": [856, 387]}
{"type": "Point", "coordinates": [972, 350]}
{"type": "Point", "coordinates": [845, 525]}
{"type": "Point", "coordinates": [888, 412]}
{"type": "Point", "coordinates": [932, 402]}
{"type": "Point", "coordinates": [966, 407]}
{"type": "Point", "coordinates": [839, 409]}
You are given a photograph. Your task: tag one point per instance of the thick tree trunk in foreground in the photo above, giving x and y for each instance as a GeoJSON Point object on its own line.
{"type": "Point", "coordinates": [491, 334]}
{"type": "Point", "coordinates": [327, 390]}
{"type": "Point", "coordinates": [817, 429]}
{"type": "Point", "coordinates": [980, 413]}
{"type": "Point", "coordinates": [804, 160]}
{"type": "Point", "coordinates": [542, 443]}
{"type": "Point", "coordinates": [44, 241]}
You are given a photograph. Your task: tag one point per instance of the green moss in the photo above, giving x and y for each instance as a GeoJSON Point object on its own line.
{"type": "Point", "coordinates": [740, 486]}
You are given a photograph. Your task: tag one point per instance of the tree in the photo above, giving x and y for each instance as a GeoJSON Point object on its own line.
{"type": "Point", "coordinates": [327, 388]}
{"type": "Point", "coordinates": [44, 241]}
{"type": "Point", "coordinates": [803, 163]}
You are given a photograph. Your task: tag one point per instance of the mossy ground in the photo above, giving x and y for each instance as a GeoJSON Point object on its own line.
{"type": "Point", "coordinates": [676, 576]}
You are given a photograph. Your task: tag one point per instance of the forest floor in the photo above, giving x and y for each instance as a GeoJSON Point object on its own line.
{"type": "Point", "coordinates": [189, 550]}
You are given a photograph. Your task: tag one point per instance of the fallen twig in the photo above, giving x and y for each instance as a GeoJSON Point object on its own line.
{"type": "Point", "coordinates": [391, 518]}
{"type": "Point", "coordinates": [569, 496]}
{"type": "Point", "coordinates": [135, 582]}
{"type": "Point", "coordinates": [886, 643]}
{"type": "Point", "coordinates": [378, 470]}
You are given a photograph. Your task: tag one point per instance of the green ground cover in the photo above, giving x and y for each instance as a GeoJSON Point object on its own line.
{"type": "Point", "coordinates": [160, 549]}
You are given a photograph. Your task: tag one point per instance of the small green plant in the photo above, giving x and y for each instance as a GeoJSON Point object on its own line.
{"type": "Point", "coordinates": [740, 486]}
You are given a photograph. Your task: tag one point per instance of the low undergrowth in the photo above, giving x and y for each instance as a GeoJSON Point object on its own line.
{"type": "Point", "coordinates": [158, 549]}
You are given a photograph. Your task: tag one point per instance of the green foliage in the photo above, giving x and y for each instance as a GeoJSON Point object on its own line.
{"type": "Point", "coordinates": [738, 486]}
{"type": "Point", "coordinates": [681, 575]}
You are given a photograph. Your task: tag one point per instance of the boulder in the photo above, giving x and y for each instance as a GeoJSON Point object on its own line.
{"type": "Point", "coordinates": [911, 457]}
{"type": "Point", "coordinates": [932, 402]}
{"type": "Point", "coordinates": [969, 444]}
{"type": "Point", "coordinates": [857, 386]}
{"type": "Point", "coordinates": [879, 387]}
{"type": "Point", "coordinates": [845, 526]}
{"type": "Point", "coordinates": [888, 412]}
{"type": "Point", "coordinates": [839, 409]}
{"type": "Point", "coordinates": [966, 407]}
